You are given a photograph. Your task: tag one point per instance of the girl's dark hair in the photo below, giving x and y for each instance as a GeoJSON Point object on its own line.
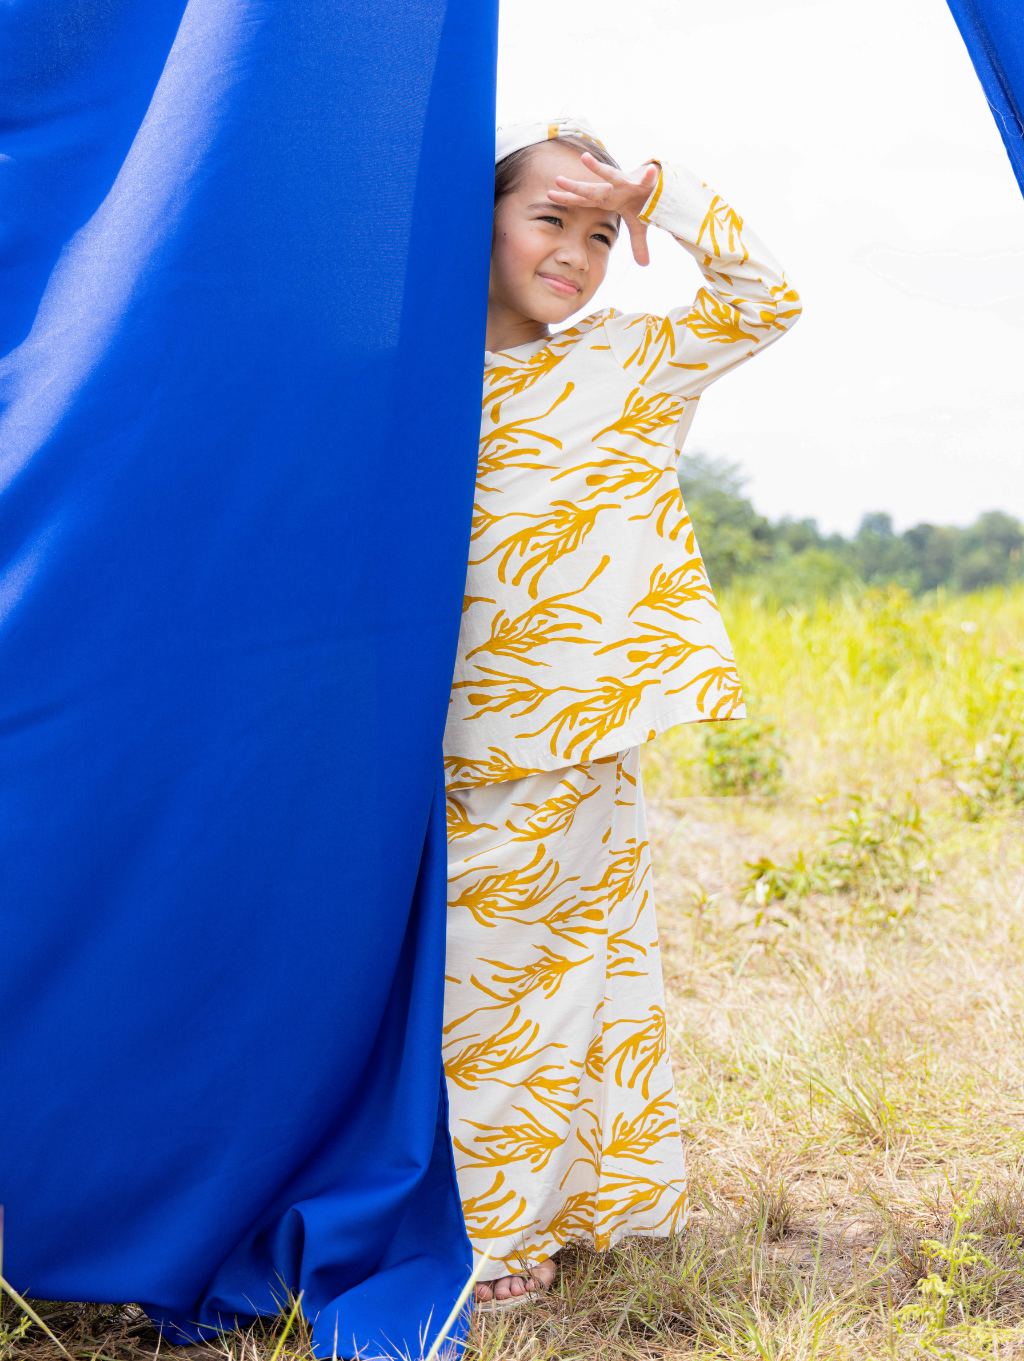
{"type": "Point", "coordinates": [508, 174]}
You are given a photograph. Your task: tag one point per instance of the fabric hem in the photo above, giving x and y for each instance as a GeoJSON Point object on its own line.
{"type": "Point", "coordinates": [536, 756]}
{"type": "Point", "coordinates": [510, 1266]}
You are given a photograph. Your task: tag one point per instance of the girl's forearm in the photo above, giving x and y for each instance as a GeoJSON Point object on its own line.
{"type": "Point", "coordinates": [745, 304]}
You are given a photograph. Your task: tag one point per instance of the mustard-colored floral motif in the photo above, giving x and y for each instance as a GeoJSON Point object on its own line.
{"type": "Point", "coordinates": [627, 958]}
{"type": "Point", "coordinates": [563, 527]}
{"type": "Point", "coordinates": [670, 501]}
{"type": "Point", "coordinates": [717, 321]}
{"type": "Point", "coordinates": [722, 685]}
{"type": "Point", "coordinates": [510, 376]}
{"type": "Point", "coordinates": [664, 1206]}
{"type": "Point", "coordinates": [497, 1146]}
{"type": "Point", "coordinates": [575, 1219]}
{"type": "Point", "coordinates": [594, 1061]}
{"type": "Point", "coordinates": [615, 474]}
{"type": "Point", "coordinates": [641, 1050]}
{"type": "Point", "coordinates": [501, 450]}
{"type": "Point", "coordinates": [468, 601]}
{"type": "Point", "coordinates": [459, 825]}
{"type": "Point", "coordinates": [482, 1057]}
{"type": "Point", "coordinates": [600, 711]}
{"type": "Point", "coordinates": [511, 379]}
{"type": "Point", "coordinates": [672, 589]}
{"type": "Point", "coordinates": [493, 892]}
{"type": "Point", "coordinates": [663, 648]}
{"type": "Point", "coordinates": [555, 814]}
{"type": "Point", "coordinates": [633, 1138]}
{"type": "Point", "coordinates": [560, 1095]}
{"type": "Point", "coordinates": [573, 921]}
{"type": "Point", "coordinates": [495, 1212]}
{"type": "Point", "coordinates": [721, 221]}
{"type": "Point", "coordinates": [547, 972]}
{"type": "Point", "coordinates": [497, 765]}
{"type": "Point", "coordinates": [624, 873]}
{"type": "Point", "coordinates": [509, 689]}
{"type": "Point", "coordinates": [540, 624]}
{"type": "Point", "coordinates": [657, 339]}
{"type": "Point", "coordinates": [643, 415]}
{"type": "Point", "coordinates": [499, 459]}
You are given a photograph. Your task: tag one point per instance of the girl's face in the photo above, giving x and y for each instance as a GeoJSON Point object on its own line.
{"type": "Point", "coordinates": [548, 260]}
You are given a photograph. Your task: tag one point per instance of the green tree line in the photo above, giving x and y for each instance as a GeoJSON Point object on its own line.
{"type": "Point", "coordinates": [792, 560]}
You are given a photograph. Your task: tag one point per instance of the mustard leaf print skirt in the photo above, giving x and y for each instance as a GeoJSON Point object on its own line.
{"type": "Point", "coordinates": [563, 1112]}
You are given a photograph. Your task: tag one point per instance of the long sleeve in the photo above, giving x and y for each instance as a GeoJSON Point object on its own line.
{"type": "Point", "coordinates": [746, 302]}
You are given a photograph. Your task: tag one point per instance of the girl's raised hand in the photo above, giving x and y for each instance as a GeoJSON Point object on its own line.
{"type": "Point", "coordinates": [619, 193]}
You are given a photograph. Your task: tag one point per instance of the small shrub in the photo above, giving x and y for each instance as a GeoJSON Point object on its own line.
{"type": "Point", "coordinates": [876, 851]}
{"type": "Point", "coordinates": [961, 1278]}
{"type": "Point", "coordinates": [994, 773]}
{"type": "Point", "coordinates": [12, 1333]}
{"type": "Point", "coordinates": [744, 757]}
{"type": "Point", "coordinates": [768, 882]}
{"type": "Point", "coordinates": [878, 848]}
{"type": "Point", "coordinates": [771, 1212]}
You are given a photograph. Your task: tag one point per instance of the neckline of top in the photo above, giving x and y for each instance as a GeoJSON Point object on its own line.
{"type": "Point", "coordinates": [490, 355]}
{"type": "Point", "coordinates": [586, 323]}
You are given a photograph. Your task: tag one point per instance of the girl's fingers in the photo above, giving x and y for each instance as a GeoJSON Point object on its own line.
{"type": "Point", "coordinates": [567, 200]}
{"type": "Point", "coordinates": [638, 241]}
{"type": "Point", "coordinates": [607, 172]}
{"type": "Point", "coordinates": [618, 178]}
{"type": "Point", "coordinates": [583, 188]}
{"type": "Point", "coordinates": [616, 192]}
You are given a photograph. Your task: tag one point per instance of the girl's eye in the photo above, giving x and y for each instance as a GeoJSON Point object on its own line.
{"type": "Point", "coordinates": [556, 220]}
{"type": "Point", "coordinates": [599, 236]}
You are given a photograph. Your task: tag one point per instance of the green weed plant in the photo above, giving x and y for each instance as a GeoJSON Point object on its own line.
{"type": "Point", "coordinates": [876, 851]}
{"type": "Point", "coordinates": [744, 757]}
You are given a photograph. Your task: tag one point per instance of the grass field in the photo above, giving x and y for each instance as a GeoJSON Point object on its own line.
{"type": "Point", "coordinates": [841, 889]}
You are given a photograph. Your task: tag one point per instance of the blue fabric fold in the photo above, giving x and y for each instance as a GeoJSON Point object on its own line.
{"type": "Point", "coordinates": [993, 31]}
{"type": "Point", "coordinates": [243, 263]}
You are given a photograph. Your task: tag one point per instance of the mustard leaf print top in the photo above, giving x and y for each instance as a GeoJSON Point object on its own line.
{"type": "Point", "coordinates": [589, 623]}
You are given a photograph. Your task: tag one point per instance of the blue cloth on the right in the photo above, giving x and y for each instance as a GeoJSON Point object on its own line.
{"type": "Point", "coordinates": [994, 33]}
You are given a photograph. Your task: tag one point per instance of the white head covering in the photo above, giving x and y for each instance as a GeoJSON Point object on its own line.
{"type": "Point", "coordinates": [522, 135]}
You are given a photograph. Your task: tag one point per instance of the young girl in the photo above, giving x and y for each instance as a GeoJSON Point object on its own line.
{"type": "Point", "coordinates": [588, 627]}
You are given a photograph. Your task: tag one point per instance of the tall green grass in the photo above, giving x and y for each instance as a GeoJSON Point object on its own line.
{"type": "Point", "coordinates": [876, 690]}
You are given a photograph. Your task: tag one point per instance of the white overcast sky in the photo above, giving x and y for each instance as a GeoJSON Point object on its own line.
{"type": "Point", "coordinates": [855, 138]}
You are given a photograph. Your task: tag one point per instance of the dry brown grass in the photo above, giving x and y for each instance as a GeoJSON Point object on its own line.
{"type": "Point", "coordinates": [850, 1060]}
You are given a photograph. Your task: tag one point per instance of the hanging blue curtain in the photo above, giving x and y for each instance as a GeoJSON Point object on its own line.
{"type": "Point", "coordinates": [994, 33]}
{"type": "Point", "coordinates": [243, 263]}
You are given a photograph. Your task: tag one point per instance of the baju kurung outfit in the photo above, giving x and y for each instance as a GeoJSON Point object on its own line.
{"type": "Point", "coordinates": [589, 626]}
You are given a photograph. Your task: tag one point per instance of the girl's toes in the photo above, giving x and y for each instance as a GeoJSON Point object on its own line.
{"type": "Point", "coordinates": [542, 1275]}
{"type": "Point", "coordinates": [482, 1292]}
{"type": "Point", "coordinates": [503, 1288]}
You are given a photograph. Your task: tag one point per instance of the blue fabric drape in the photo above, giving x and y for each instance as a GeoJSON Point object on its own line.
{"type": "Point", "coordinates": [243, 261]}
{"type": "Point", "coordinates": [993, 31]}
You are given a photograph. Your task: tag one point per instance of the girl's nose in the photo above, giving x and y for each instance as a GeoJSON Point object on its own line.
{"type": "Point", "coordinates": [573, 255]}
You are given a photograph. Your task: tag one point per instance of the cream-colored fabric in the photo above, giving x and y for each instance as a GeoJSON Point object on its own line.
{"type": "Point", "coordinates": [589, 623]}
{"type": "Point", "coordinates": [563, 1112]}
{"type": "Point", "coordinates": [508, 140]}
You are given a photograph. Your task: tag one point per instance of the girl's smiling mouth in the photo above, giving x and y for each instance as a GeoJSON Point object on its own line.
{"type": "Point", "coordinates": [564, 286]}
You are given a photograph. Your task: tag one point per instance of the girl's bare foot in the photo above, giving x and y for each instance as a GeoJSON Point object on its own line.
{"type": "Point", "coordinates": [506, 1287]}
